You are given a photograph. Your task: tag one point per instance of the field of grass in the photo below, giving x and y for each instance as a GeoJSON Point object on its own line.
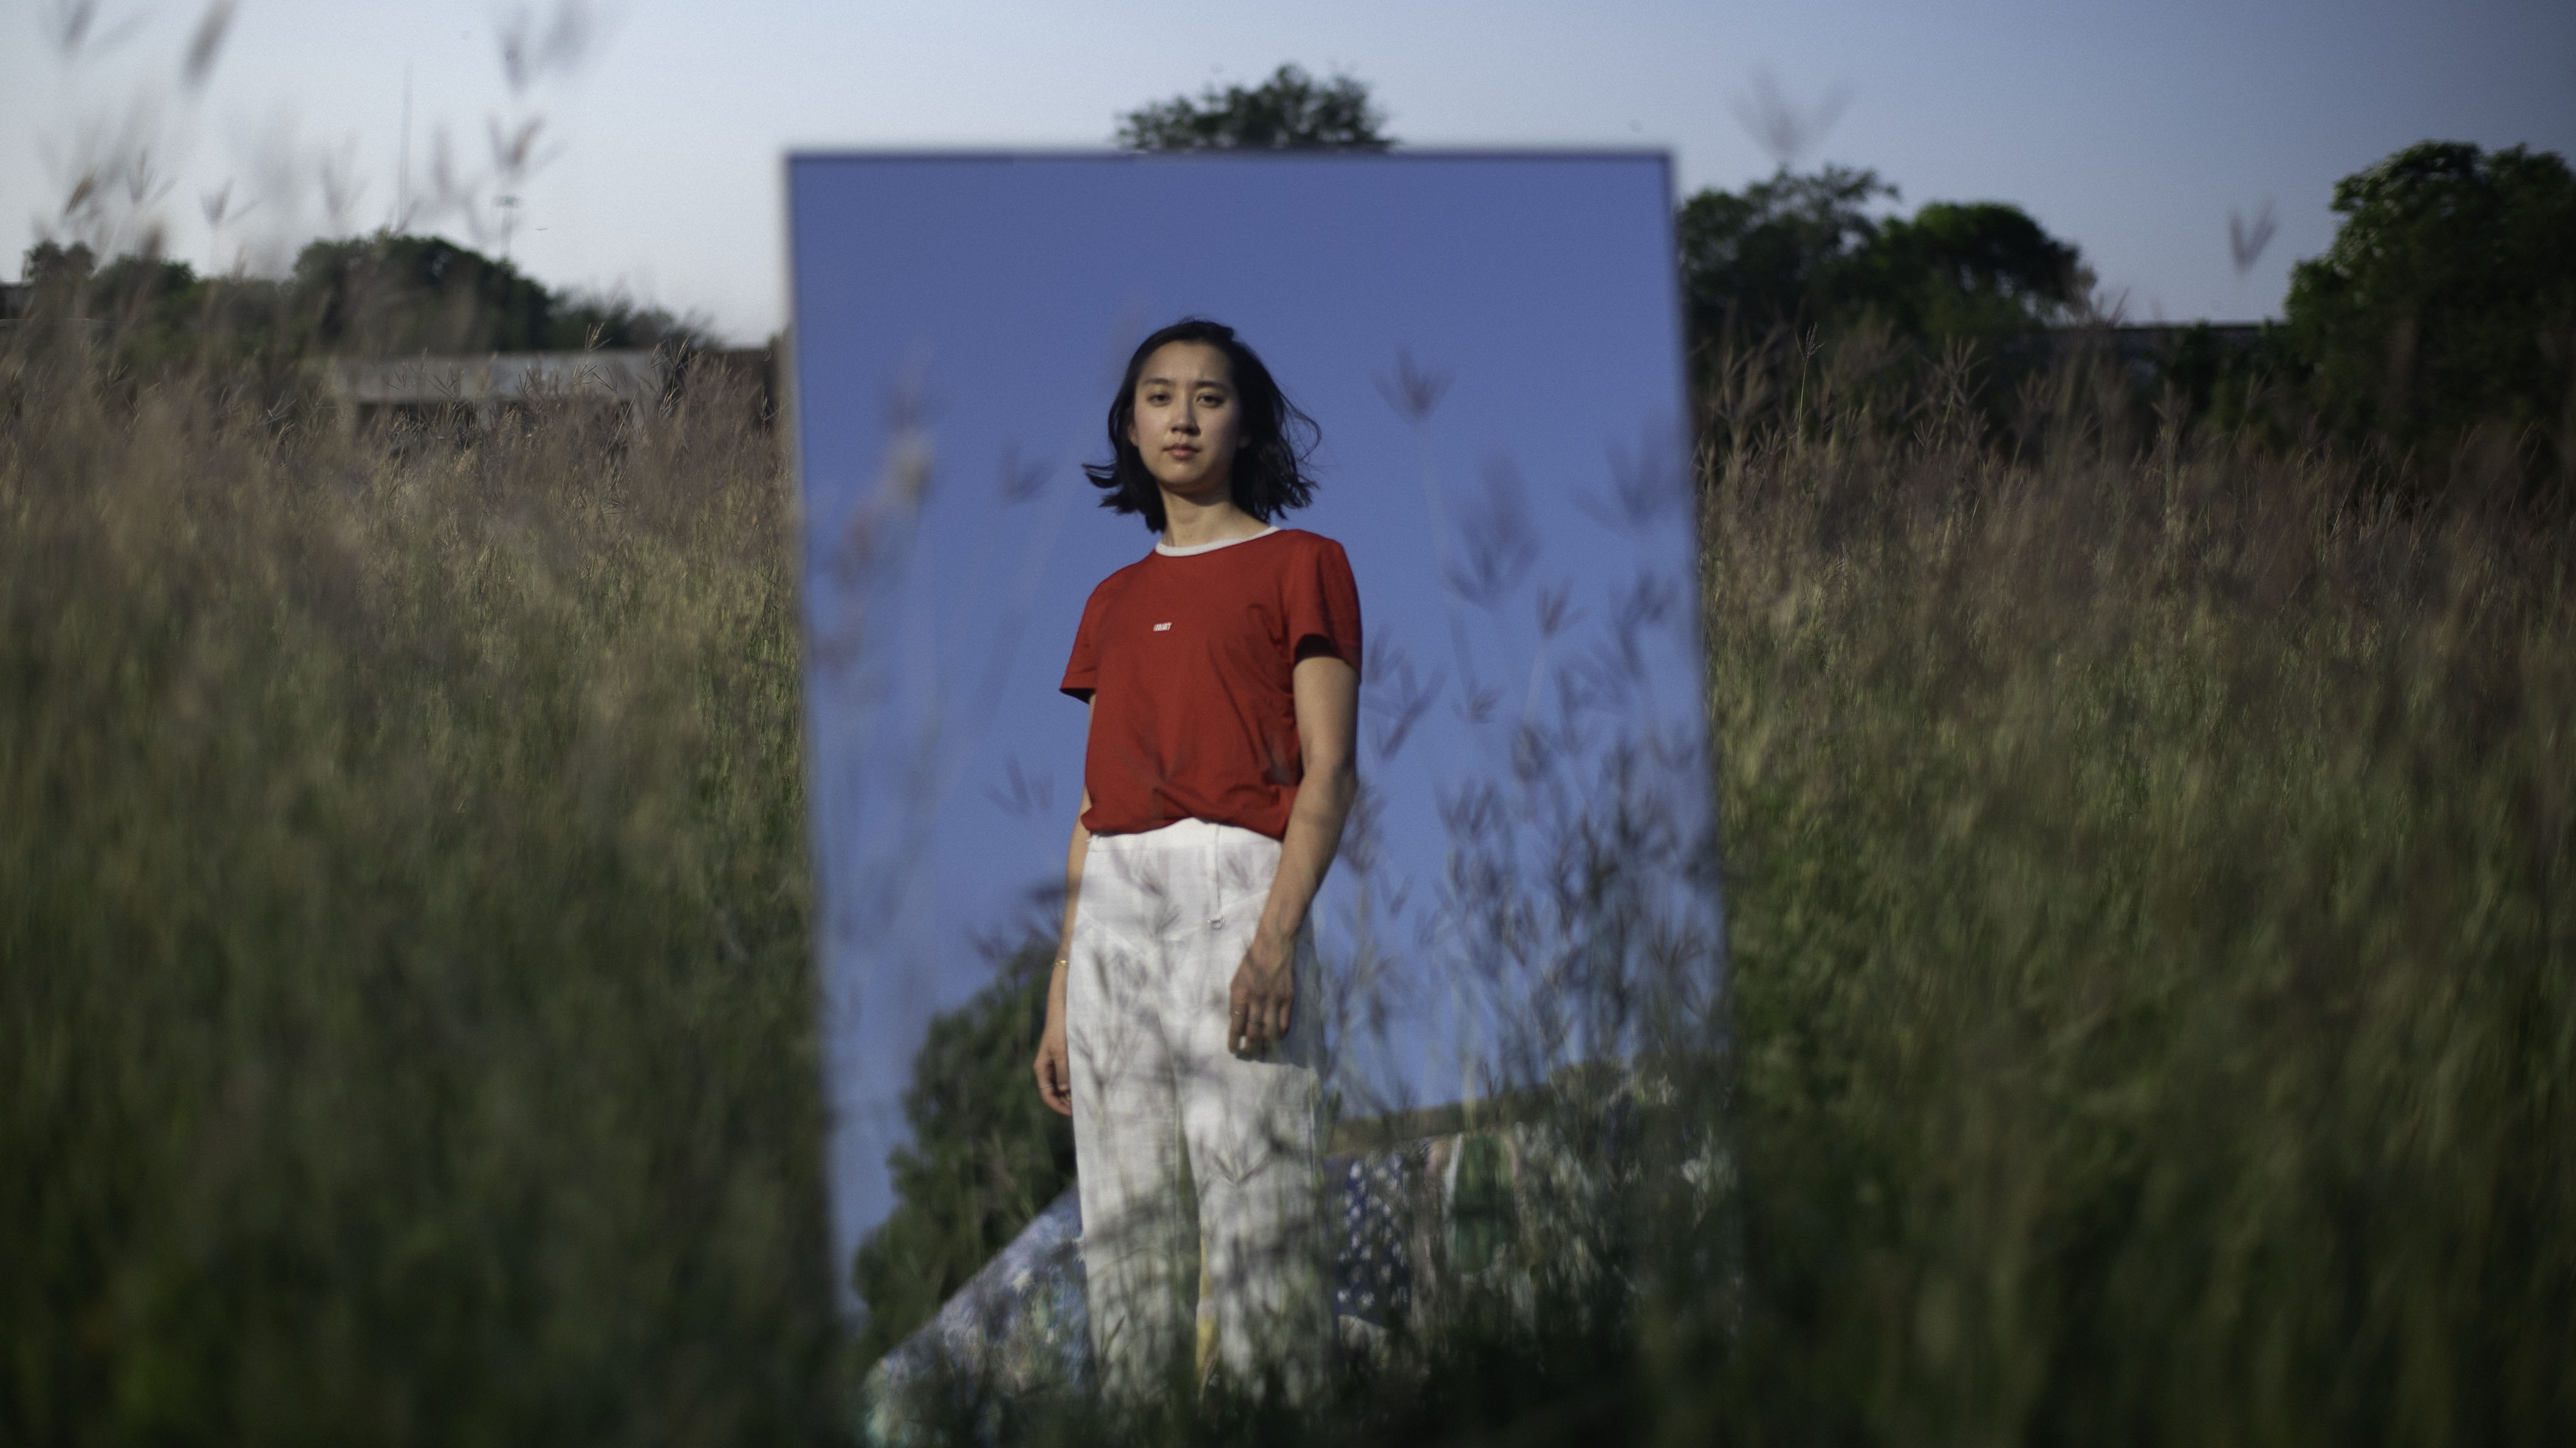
{"type": "Point", "coordinates": [2156, 966]}
{"type": "Point", "coordinates": [406, 1028]}
{"type": "Point", "coordinates": [2148, 864]}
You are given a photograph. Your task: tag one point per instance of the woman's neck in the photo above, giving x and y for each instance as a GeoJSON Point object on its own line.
{"type": "Point", "coordinates": [1187, 524]}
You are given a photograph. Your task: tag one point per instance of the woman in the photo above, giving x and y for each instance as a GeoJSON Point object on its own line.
{"type": "Point", "coordinates": [1221, 671]}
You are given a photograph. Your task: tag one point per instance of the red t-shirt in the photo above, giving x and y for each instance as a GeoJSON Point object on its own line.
{"type": "Point", "coordinates": [1189, 660]}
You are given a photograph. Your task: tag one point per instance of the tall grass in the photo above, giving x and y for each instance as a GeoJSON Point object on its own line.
{"type": "Point", "coordinates": [2151, 875]}
{"type": "Point", "coordinates": [406, 1027]}
{"type": "Point", "coordinates": [2147, 856]}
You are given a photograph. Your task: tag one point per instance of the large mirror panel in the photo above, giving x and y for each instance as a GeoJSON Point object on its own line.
{"type": "Point", "coordinates": [1491, 348]}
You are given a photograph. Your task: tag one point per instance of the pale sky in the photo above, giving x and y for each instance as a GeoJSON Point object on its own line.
{"type": "Point", "coordinates": [2132, 130]}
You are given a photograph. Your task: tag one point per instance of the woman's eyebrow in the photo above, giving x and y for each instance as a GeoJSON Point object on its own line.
{"type": "Point", "coordinates": [1167, 382]}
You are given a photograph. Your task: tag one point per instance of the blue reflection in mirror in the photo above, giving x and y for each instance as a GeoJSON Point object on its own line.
{"type": "Point", "coordinates": [1491, 346]}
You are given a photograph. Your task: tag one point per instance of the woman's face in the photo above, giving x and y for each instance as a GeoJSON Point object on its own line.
{"type": "Point", "coordinates": [1188, 423]}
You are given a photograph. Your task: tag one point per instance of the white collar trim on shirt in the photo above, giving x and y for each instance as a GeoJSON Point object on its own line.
{"type": "Point", "coordinates": [1168, 551]}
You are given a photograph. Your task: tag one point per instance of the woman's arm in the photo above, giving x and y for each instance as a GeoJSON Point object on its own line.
{"type": "Point", "coordinates": [1328, 693]}
{"type": "Point", "coordinates": [1054, 1066]}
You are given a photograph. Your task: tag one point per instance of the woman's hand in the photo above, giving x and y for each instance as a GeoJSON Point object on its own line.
{"type": "Point", "coordinates": [1264, 992]}
{"type": "Point", "coordinates": [1055, 1070]}
{"type": "Point", "coordinates": [1054, 1066]}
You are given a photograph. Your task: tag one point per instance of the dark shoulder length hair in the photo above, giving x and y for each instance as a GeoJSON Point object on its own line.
{"type": "Point", "coordinates": [1270, 474]}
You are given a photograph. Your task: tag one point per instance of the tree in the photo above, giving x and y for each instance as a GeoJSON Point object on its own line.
{"type": "Point", "coordinates": [387, 294]}
{"type": "Point", "coordinates": [1803, 251]}
{"type": "Point", "coordinates": [51, 261]}
{"type": "Point", "coordinates": [152, 306]}
{"type": "Point", "coordinates": [1291, 111]}
{"type": "Point", "coordinates": [986, 1155]}
{"type": "Point", "coordinates": [156, 312]}
{"type": "Point", "coordinates": [1778, 254]}
{"type": "Point", "coordinates": [2448, 297]}
{"type": "Point", "coordinates": [399, 294]}
{"type": "Point", "coordinates": [1973, 269]}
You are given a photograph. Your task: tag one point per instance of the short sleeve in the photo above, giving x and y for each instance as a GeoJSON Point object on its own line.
{"type": "Point", "coordinates": [1323, 603]}
{"type": "Point", "coordinates": [1082, 671]}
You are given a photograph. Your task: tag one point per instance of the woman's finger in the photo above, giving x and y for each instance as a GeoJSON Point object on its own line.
{"type": "Point", "coordinates": [1051, 1074]}
{"type": "Point", "coordinates": [1274, 1010]}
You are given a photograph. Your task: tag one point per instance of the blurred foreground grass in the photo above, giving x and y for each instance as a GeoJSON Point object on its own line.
{"type": "Point", "coordinates": [406, 1031]}
{"type": "Point", "coordinates": [2148, 865]}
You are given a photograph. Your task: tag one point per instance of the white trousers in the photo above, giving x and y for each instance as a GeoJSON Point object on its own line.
{"type": "Point", "coordinates": [1163, 922]}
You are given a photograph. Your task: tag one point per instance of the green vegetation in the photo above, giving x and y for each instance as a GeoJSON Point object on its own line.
{"type": "Point", "coordinates": [406, 1012]}
{"type": "Point", "coordinates": [2155, 987]}
{"type": "Point", "coordinates": [2448, 300]}
{"type": "Point", "coordinates": [986, 1154]}
{"type": "Point", "coordinates": [1802, 252]}
{"type": "Point", "coordinates": [1291, 111]}
{"type": "Point", "coordinates": [385, 295]}
{"type": "Point", "coordinates": [2443, 316]}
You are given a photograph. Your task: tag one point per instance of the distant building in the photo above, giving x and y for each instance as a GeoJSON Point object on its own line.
{"type": "Point", "coordinates": [2147, 342]}
{"type": "Point", "coordinates": [630, 384]}
{"type": "Point", "coordinates": [2164, 336]}
{"type": "Point", "coordinates": [2144, 349]}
